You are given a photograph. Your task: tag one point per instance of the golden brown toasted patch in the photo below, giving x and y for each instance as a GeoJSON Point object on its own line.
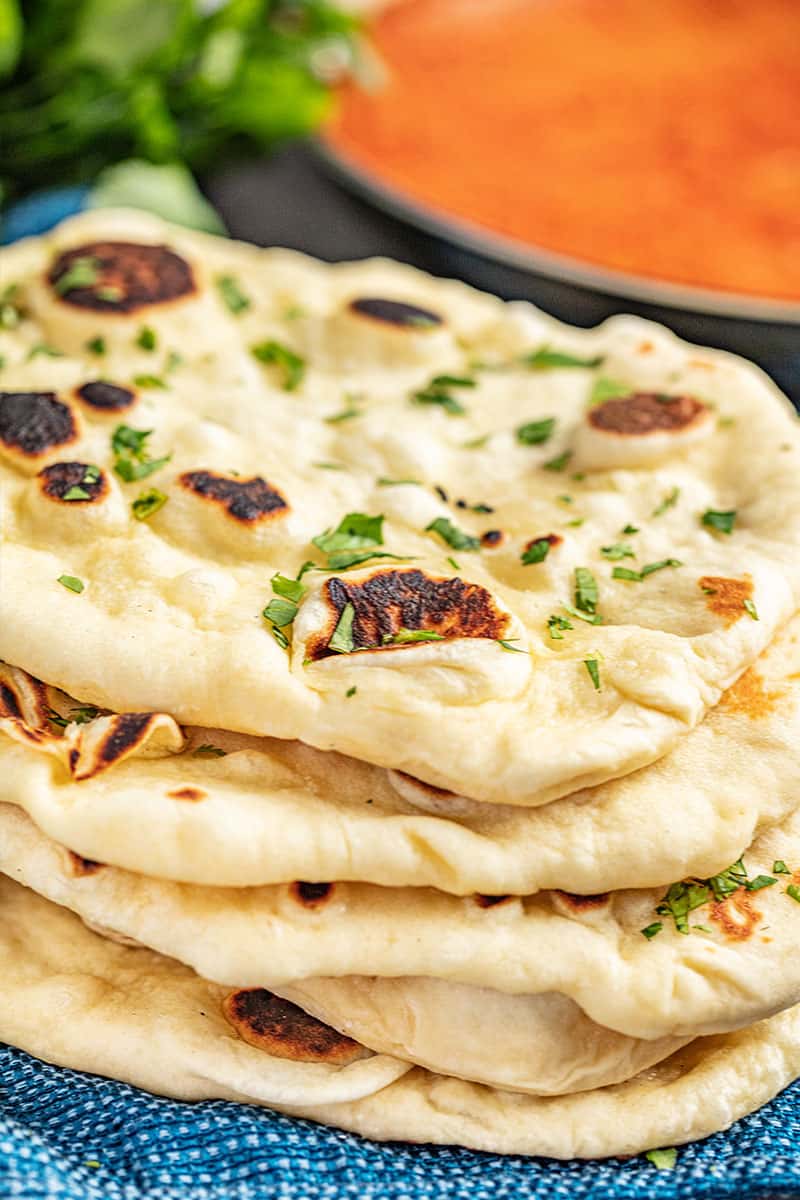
{"type": "Point", "coordinates": [736, 915]}
{"type": "Point", "coordinates": [582, 904]}
{"type": "Point", "coordinates": [73, 482]}
{"type": "Point", "coordinates": [24, 700]}
{"type": "Point", "coordinates": [191, 794]}
{"type": "Point", "coordinates": [283, 1030]}
{"type": "Point", "coordinates": [311, 895]}
{"type": "Point", "coordinates": [647, 412]}
{"type": "Point", "coordinates": [395, 312]}
{"type": "Point", "coordinates": [246, 500]}
{"type": "Point", "coordinates": [103, 397]}
{"type": "Point", "coordinates": [31, 423]}
{"type": "Point", "coordinates": [750, 697]}
{"type": "Point", "coordinates": [80, 866]}
{"type": "Point", "coordinates": [725, 597]}
{"type": "Point", "coordinates": [125, 276]}
{"type": "Point", "coordinates": [127, 730]}
{"type": "Point", "coordinates": [9, 703]}
{"type": "Point", "coordinates": [492, 538]}
{"type": "Point", "coordinates": [389, 601]}
{"type": "Point", "coordinates": [490, 901]}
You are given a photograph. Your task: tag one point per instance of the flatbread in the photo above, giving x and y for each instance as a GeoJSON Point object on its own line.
{"type": "Point", "coordinates": [737, 966]}
{"type": "Point", "coordinates": [204, 808]}
{"type": "Point", "coordinates": [169, 617]}
{"type": "Point", "coordinates": [127, 1014]}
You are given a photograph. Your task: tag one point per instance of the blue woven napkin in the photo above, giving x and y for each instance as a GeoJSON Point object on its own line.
{"type": "Point", "coordinates": [77, 1137]}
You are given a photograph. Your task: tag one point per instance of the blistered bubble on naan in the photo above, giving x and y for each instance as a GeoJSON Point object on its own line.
{"type": "Point", "coordinates": [725, 598]}
{"type": "Point", "coordinates": [245, 500]}
{"type": "Point", "coordinates": [389, 602]}
{"type": "Point", "coordinates": [311, 895]}
{"type": "Point", "coordinates": [34, 428]}
{"type": "Point", "coordinates": [120, 277]}
{"type": "Point", "coordinates": [283, 1030]}
{"type": "Point", "coordinates": [492, 538]}
{"type": "Point", "coordinates": [241, 518]}
{"type": "Point", "coordinates": [395, 313]}
{"type": "Point", "coordinates": [635, 430]}
{"type": "Point", "coordinates": [375, 329]}
{"type": "Point", "coordinates": [102, 398]}
{"type": "Point", "coordinates": [73, 483]}
{"type": "Point", "coordinates": [76, 501]}
{"type": "Point", "coordinates": [78, 866]}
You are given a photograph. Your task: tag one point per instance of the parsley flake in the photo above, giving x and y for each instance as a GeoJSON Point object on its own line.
{"type": "Point", "coordinates": [535, 433]}
{"type": "Point", "coordinates": [153, 382]}
{"type": "Point", "coordinates": [404, 637]}
{"type": "Point", "coordinates": [630, 530]}
{"type": "Point", "coordinates": [232, 295]}
{"type": "Point", "coordinates": [617, 551]}
{"type": "Point", "coordinates": [450, 533]}
{"type": "Point", "coordinates": [750, 608]}
{"type": "Point", "coordinates": [346, 414]}
{"type": "Point", "coordinates": [663, 1160]}
{"type": "Point", "coordinates": [274, 353]}
{"type": "Point", "coordinates": [96, 345]}
{"type": "Point", "coordinates": [71, 582]}
{"type": "Point", "coordinates": [559, 463]}
{"type": "Point", "coordinates": [208, 751]}
{"type": "Point", "coordinates": [146, 338]}
{"type": "Point", "coordinates": [131, 460]}
{"type": "Point", "coordinates": [351, 691]}
{"type": "Point", "coordinates": [506, 644]}
{"type": "Point", "coordinates": [607, 389]}
{"type": "Point", "coordinates": [794, 891]}
{"type": "Point", "coordinates": [649, 569]}
{"type": "Point", "coordinates": [546, 359]}
{"type": "Point", "coordinates": [280, 612]}
{"type": "Point", "coordinates": [384, 481]}
{"type": "Point", "coordinates": [669, 501]}
{"type": "Point", "coordinates": [556, 625]}
{"type": "Point", "coordinates": [81, 273]}
{"type": "Point", "coordinates": [593, 667]}
{"type": "Point", "coordinates": [148, 503]}
{"type": "Point", "coordinates": [440, 392]}
{"type": "Point", "coordinates": [720, 522]}
{"type": "Point", "coordinates": [342, 637]}
{"type": "Point", "coordinates": [535, 553]}
{"type": "Point", "coordinates": [586, 592]}
{"type": "Point", "coordinates": [779, 867]}
{"type": "Point", "coordinates": [651, 931]}
{"type": "Point", "coordinates": [760, 881]}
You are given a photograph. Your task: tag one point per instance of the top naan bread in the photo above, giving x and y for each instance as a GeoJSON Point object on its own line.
{"type": "Point", "coordinates": [380, 392]}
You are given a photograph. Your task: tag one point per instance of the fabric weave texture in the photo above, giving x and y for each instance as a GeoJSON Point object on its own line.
{"type": "Point", "coordinates": [78, 1137]}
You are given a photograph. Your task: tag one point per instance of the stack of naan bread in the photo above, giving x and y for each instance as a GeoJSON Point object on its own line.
{"type": "Point", "coordinates": [400, 699]}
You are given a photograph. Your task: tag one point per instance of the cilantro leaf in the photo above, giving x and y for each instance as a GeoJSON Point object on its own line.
{"type": "Point", "coordinates": [607, 389]}
{"type": "Point", "coordinates": [720, 522]}
{"type": "Point", "coordinates": [546, 359]}
{"type": "Point", "coordinates": [147, 503]}
{"type": "Point", "coordinates": [71, 582]}
{"type": "Point", "coordinates": [342, 637]}
{"type": "Point", "coordinates": [535, 553]}
{"type": "Point", "coordinates": [593, 667]}
{"type": "Point", "coordinates": [586, 591]}
{"type": "Point", "coordinates": [556, 625]}
{"type": "Point", "coordinates": [404, 637]}
{"type": "Point", "coordinates": [663, 1160]}
{"type": "Point", "coordinates": [232, 295]}
{"type": "Point", "coordinates": [355, 531]}
{"type": "Point", "coordinates": [669, 501]}
{"type": "Point", "coordinates": [535, 433]}
{"type": "Point", "coordinates": [292, 366]}
{"type": "Point", "coordinates": [450, 533]}
{"type": "Point", "coordinates": [617, 551]}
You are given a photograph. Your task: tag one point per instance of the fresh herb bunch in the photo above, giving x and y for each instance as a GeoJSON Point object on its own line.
{"type": "Point", "coordinates": [88, 83]}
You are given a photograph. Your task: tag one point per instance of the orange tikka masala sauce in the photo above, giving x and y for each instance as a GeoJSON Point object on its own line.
{"type": "Point", "coordinates": [660, 137]}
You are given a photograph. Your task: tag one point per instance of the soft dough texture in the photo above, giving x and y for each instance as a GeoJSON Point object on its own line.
{"type": "Point", "coordinates": [197, 816]}
{"type": "Point", "coordinates": [130, 1015]}
{"type": "Point", "coordinates": [169, 618]}
{"type": "Point", "coordinates": [739, 966]}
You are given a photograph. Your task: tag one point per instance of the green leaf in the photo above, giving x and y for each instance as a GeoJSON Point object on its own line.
{"type": "Point", "coordinates": [385, 482]}
{"type": "Point", "coordinates": [153, 382]}
{"type": "Point", "coordinates": [122, 35]}
{"type": "Point", "coordinates": [280, 612]}
{"type": "Point", "coordinates": [589, 618]}
{"type": "Point", "coordinates": [556, 625]}
{"type": "Point", "coordinates": [794, 892]}
{"type": "Point", "coordinates": [276, 354]}
{"type": "Point", "coordinates": [71, 582]}
{"type": "Point", "coordinates": [452, 535]}
{"type": "Point", "coordinates": [664, 1160]}
{"type": "Point", "coordinates": [291, 589]}
{"type": "Point", "coordinates": [146, 338]}
{"type": "Point", "coordinates": [11, 30]}
{"type": "Point", "coordinates": [649, 569]}
{"type": "Point", "coordinates": [593, 667]}
{"type": "Point", "coordinates": [760, 881]}
{"type": "Point", "coordinates": [81, 273]}
{"type": "Point", "coordinates": [506, 644]}
{"type": "Point", "coordinates": [617, 551]}
{"type": "Point", "coordinates": [167, 189]}
{"type": "Point", "coordinates": [232, 295]}
{"type": "Point", "coordinates": [653, 930]}
{"type": "Point", "coordinates": [355, 531]}
{"type": "Point", "coordinates": [147, 503]}
{"type": "Point", "coordinates": [586, 592]}
{"type": "Point", "coordinates": [96, 346]}
{"type": "Point", "coordinates": [545, 359]}
{"type": "Point", "coordinates": [342, 637]}
{"type": "Point", "coordinates": [607, 389]}
{"type": "Point", "coordinates": [340, 560]}
{"type": "Point", "coordinates": [669, 501]}
{"type": "Point", "coordinates": [750, 608]}
{"type": "Point", "coordinates": [720, 522]}
{"type": "Point", "coordinates": [535, 433]}
{"type": "Point", "coordinates": [630, 530]}
{"type": "Point", "coordinates": [535, 553]}
{"type": "Point", "coordinates": [76, 493]}
{"type": "Point", "coordinates": [405, 637]}
{"type": "Point", "coordinates": [779, 867]}
{"type": "Point", "coordinates": [208, 751]}
{"type": "Point", "coordinates": [559, 463]}
{"type": "Point", "coordinates": [439, 392]}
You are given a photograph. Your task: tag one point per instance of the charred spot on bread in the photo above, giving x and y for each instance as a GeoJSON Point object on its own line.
{"type": "Point", "coordinates": [126, 731]}
{"type": "Point", "coordinates": [396, 313]}
{"type": "Point", "coordinates": [246, 500]}
{"type": "Point", "coordinates": [103, 397]}
{"type": "Point", "coordinates": [390, 601]}
{"type": "Point", "coordinates": [120, 277]}
{"type": "Point", "coordinates": [642, 413]}
{"type": "Point", "coordinates": [33, 423]}
{"type": "Point", "coordinates": [484, 901]}
{"type": "Point", "coordinates": [73, 482]}
{"type": "Point", "coordinates": [188, 793]}
{"type": "Point", "coordinates": [492, 538]}
{"type": "Point", "coordinates": [79, 866]}
{"type": "Point", "coordinates": [582, 904]}
{"type": "Point", "coordinates": [311, 895]}
{"type": "Point", "coordinates": [284, 1030]}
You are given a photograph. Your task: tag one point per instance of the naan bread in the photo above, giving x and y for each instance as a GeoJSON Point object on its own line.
{"type": "Point", "coordinates": [131, 1015]}
{"type": "Point", "coordinates": [205, 809]}
{"type": "Point", "coordinates": [257, 458]}
{"type": "Point", "coordinates": [737, 966]}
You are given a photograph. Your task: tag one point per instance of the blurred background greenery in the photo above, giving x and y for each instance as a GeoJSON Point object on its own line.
{"type": "Point", "coordinates": [136, 96]}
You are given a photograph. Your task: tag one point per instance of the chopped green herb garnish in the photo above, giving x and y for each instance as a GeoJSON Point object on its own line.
{"type": "Point", "coordinates": [280, 612]}
{"type": "Point", "coordinates": [477, 443]}
{"type": "Point", "coordinates": [96, 345]}
{"type": "Point", "coordinates": [110, 293]}
{"type": "Point", "coordinates": [626, 573]}
{"type": "Point", "coordinates": [79, 714]}
{"type": "Point", "coordinates": [506, 644]}
{"type": "Point", "coordinates": [76, 492]}
{"type": "Point", "coordinates": [280, 637]}
{"type": "Point", "coordinates": [439, 392]}
{"type": "Point", "coordinates": [545, 359]}
{"type": "Point", "coordinates": [576, 523]}
{"type": "Point", "coordinates": [81, 273]}
{"type": "Point", "coordinates": [607, 389]}
{"type": "Point", "coordinates": [72, 582]}
{"type": "Point", "coordinates": [450, 533]}
{"type": "Point", "coordinates": [351, 691]}
{"type": "Point", "coordinates": [346, 414]}
{"type": "Point", "coordinates": [405, 637]}
{"type": "Point", "coordinates": [342, 637]}
{"type": "Point", "coordinates": [10, 311]}
{"type": "Point", "coordinates": [150, 381]}
{"type": "Point", "coordinates": [630, 530]}
{"type": "Point", "coordinates": [664, 1160]}
{"type": "Point", "coordinates": [290, 589]}
{"type": "Point", "coordinates": [649, 569]}
{"type": "Point", "coordinates": [652, 930]}
{"type": "Point", "coordinates": [536, 552]}
{"type": "Point", "coordinates": [131, 461]}
{"type": "Point", "coordinates": [721, 522]}
{"type": "Point", "coordinates": [453, 563]}
{"type": "Point", "coordinates": [385, 482]}
{"type": "Point", "coordinates": [617, 551]}
{"type": "Point", "coordinates": [794, 891]}
{"type": "Point", "coordinates": [43, 350]}
{"type": "Point", "coordinates": [749, 607]}
{"type": "Point", "coordinates": [147, 503]}
{"type": "Point", "coordinates": [556, 625]}
{"type": "Point", "coordinates": [779, 867]}
{"type": "Point", "coordinates": [534, 433]}
{"type": "Point", "coordinates": [589, 618]}
{"type": "Point", "coordinates": [232, 295]}
{"type": "Point", "coordinates": [208, 751]}
{"type": "Point", "coordinates": [354, 532]}
{"type": "Point", "coordinates": [760, 881]}
{"type": "Point", "coordinates": [682, 898]}
{"type": "Point", "coordinates": [669, 501]}
{"type": "Point", "coordinates": [593, 667]}
{"type": "Point", "coordinates": [586, 593]}
{"type": "Point", "coordinates": [559, 463]}
{"type": "Point", "coordinates": [274, 353]}
{"type": "Point", "coordinates": [146, 338]}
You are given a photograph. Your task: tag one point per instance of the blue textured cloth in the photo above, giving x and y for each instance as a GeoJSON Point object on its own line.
{"type": "Point", "coordinates": [77, 1137]}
